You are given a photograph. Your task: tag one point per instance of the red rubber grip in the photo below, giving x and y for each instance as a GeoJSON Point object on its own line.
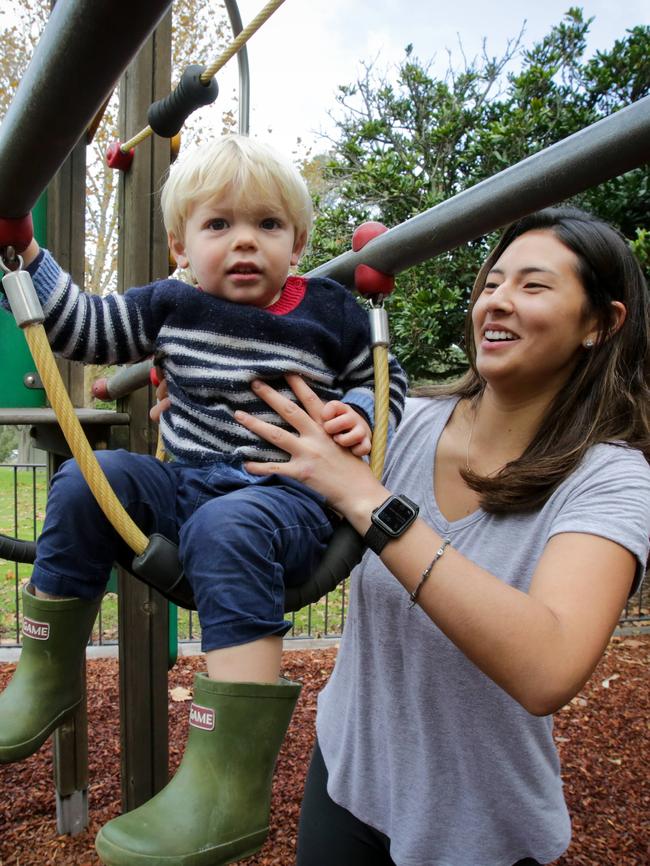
{"type": "Point", "coordinates": [116, 158]}
{"type": "Point", "coordinates": [16, 233]}
{"type": "Point", "coordinates": [369, 281]}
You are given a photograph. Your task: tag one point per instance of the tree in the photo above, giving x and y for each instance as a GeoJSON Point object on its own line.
{"type": "Point", "coordinates": [406, 142]}
{"type": "Point", "coordinates": [8, 442]}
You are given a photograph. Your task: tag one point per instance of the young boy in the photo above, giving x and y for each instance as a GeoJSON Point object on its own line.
{"type": "Point", "coordinates": [237, 217]}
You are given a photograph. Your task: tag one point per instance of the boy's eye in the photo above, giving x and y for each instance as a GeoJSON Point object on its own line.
{"type": "Point", "coordinates": [270, 223]}
{"type": "Point", "coordinates": [217, 224]}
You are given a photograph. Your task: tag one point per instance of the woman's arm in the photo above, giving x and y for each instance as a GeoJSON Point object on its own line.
{"type": "Point", "coordinates": [539, 646]}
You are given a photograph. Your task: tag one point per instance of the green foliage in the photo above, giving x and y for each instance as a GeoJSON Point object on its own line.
{"type": "Point", "coordinates": [407, 142]}
{"type": "Point", "coordinates": [8, 442]}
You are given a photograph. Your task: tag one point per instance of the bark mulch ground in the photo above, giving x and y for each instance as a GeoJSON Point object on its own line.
{"type": "Point", "coordinates": [602, 737]}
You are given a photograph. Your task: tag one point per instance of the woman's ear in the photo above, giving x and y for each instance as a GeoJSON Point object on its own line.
{"type": "Point", "coordinates": [619, 315]}
{"type": "Point", "coordinates": [177, 249]}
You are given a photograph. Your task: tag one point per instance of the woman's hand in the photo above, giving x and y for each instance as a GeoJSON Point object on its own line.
{"type": "Point", "coordinates": [162, 396]}
{"type": "Point", "coordinates": [316, 460]}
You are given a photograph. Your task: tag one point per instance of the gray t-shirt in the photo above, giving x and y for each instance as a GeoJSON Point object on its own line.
{"type": "Point", "coordinates": [417, 741]}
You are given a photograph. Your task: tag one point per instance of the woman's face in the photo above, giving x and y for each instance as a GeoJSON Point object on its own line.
{"type": "Point", "coordinates": [531, 319]}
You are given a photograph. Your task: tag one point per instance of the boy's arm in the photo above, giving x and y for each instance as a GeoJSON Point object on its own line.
{"type": "Point", "coordinates": [85, 327]}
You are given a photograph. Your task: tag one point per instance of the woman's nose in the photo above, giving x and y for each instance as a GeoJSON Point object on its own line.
{"type": "Point", "coordinates": [499, 298]}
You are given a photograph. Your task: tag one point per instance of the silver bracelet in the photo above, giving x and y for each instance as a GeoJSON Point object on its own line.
{"type": "Point", "coordinates": [427, 571]}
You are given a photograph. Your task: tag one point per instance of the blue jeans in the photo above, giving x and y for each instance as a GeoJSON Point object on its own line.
{"type": "Point", "coordinates": [241, 537]}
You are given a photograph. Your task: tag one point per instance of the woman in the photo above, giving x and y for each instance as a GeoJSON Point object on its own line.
{"type": "Point", "coordinates": [487, 612]}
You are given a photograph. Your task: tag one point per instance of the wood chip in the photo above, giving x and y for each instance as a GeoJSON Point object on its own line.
{"type": "Point", "coordinates": [608, 796]}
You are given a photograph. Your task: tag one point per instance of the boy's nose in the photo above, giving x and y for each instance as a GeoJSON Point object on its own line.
{"type": "Point", "coordinates": [245, 239]}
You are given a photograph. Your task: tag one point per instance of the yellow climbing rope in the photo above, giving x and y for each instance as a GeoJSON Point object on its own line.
{"type": "Point", "coordinates": [382, 397]}
{"type": "Point", "coordinates": [210, 71]}
{"type": "Point", "coordinates": [76, 439]}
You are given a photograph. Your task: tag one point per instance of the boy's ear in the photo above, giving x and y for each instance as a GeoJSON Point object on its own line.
{"type": "Point", "coordinates": [299, 244]}
{"type": "Point", "coordinates": [177, 249]}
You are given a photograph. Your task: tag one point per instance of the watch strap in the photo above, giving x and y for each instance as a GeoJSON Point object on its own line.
{"type": "Point", "coordinates": [376, 539]}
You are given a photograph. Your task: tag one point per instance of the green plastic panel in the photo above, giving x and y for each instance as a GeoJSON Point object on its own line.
{"type": "Point", "coordinates": [15, 358]}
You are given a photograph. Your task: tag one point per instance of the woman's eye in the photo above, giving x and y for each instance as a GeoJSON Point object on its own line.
{"type": "Point", "coordinates": [490, 287]}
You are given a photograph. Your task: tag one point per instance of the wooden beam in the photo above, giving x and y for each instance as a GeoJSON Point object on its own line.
{"type": "Point", "coordinates": [143, 613]}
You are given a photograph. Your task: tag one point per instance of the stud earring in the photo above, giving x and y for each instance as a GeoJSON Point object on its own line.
{"type": "Point", "coordinates": [588, 343]}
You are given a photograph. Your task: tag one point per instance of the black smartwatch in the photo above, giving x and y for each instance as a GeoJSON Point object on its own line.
{"type": "Point", "coordinates": [389, 521]}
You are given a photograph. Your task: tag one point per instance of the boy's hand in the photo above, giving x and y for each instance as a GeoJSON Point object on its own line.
{"type": "Point", "coordinates": [30, 253]}
{"type": "Point", "coordinates": [347, 427]}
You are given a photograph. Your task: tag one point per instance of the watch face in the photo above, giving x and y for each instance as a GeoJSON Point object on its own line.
{"type": "Point", "coordinates": [395, 515]}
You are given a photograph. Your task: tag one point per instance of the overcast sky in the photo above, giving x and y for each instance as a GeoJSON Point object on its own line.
{"type": "Point", "coordinates": [309, 47]}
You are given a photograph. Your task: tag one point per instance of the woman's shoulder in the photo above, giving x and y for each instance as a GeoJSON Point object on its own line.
{"type": "Point", "coordinates": [422, 422]}
{"type": "Point", "coordinates": [616, 456]}
{"type": "Point", "coordinates": [612, 466]}
{"type": "Point", "coordinates": [428, 408]}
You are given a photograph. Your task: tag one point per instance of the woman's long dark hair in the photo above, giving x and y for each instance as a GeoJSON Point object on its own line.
{"type": "Point", "coordinates": [607, 396]}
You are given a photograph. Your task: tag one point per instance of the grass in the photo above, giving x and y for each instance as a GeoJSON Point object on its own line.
{"type": "Point", "coordinates": [23, 495]}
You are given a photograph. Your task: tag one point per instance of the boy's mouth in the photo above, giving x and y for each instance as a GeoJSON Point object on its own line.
{"type": "Point", "coordinates": [243, 268]}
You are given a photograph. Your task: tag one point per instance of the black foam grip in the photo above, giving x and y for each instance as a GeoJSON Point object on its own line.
{"type": "Point", "coordinates": [344, 551]}
{"type": "Point", "coordinates": [160, 567]}
{"type": "Point", "coordinates": [167, 116]}
{"type": "Point", "coordinates": [16, 550]}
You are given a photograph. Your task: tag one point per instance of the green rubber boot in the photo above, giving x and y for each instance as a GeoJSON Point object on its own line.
{"type": "Point", "coordinates": [216, 808]}
{"type": "Point", "coordinates": [47, 684]}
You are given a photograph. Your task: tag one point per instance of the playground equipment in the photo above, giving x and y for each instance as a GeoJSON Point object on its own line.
{"type": "Point", "coordinates": [610, 147]}
{"type": "Point", "coordinates": [16, 232]}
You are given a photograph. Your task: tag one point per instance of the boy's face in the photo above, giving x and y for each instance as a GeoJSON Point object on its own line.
{"type": "Point", "coordinates": [239, 255]}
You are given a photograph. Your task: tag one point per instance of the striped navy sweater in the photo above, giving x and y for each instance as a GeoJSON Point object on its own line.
{"type": "Point", "coordinates": [211, 349]}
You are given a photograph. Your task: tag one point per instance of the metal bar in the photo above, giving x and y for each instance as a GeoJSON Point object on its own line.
{"type": "Point", "coordinates": [242, 62]}
{"type": "Point", "coordinates": [82, 52]}
{"type": "Point", "coordinates": [599, 152]}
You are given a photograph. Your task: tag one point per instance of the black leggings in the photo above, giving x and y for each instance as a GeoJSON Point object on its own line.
{"type": "Point", "coordinates": [328, 834]}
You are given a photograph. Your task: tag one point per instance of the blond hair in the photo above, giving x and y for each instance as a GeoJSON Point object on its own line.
{"type": "Point", "coordinates": [255, 173]}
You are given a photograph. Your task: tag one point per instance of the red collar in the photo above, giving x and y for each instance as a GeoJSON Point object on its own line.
{"type": "Point", "coordinates": [292, 294]}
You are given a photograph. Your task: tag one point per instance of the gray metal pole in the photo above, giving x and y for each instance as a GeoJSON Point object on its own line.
{"type": "Point", "coordinates": [242, 61]}
{"type": "Point", "coordinates": [597, 153]}
{"type": "Point", "coordinates": [82, 52]}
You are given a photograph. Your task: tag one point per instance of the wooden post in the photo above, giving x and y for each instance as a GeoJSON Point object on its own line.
{"type": "Point", "coordinates": [65, 237]}
{"type": "Point", "coordinates": [143, 613]}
